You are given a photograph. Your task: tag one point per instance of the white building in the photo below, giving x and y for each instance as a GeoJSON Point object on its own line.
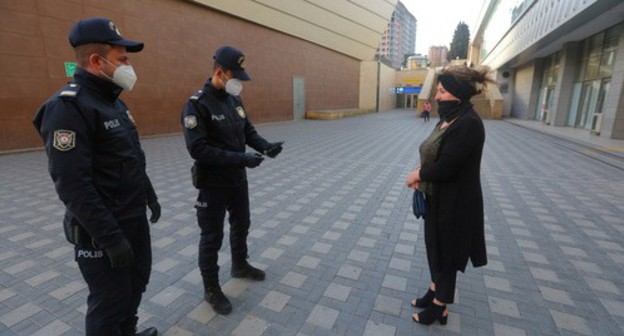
{"type": "Point", "coordinates": [558, 61]}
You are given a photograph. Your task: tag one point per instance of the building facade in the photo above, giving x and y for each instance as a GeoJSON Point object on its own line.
{"type": "Point", "coordinates": [399, 39]}
{"type": "Point", "coordinates": [301, 54]}
{"type": "Point", "coordinates": [417, 62]}
{"type": "Point", "coordinates": [560, 62]}
{"type": "Point", "coordinates": [438, 56]}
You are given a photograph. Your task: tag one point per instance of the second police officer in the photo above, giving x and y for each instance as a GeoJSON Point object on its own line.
{"type": "Point", "coordinates": [217, 130]}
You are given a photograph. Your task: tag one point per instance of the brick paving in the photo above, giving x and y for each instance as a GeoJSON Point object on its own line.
{"type": "Point", "coordinates": [331, 225]}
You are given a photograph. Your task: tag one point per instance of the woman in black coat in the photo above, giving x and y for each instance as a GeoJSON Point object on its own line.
{"type": "Point", "coordinates": [449, 176]}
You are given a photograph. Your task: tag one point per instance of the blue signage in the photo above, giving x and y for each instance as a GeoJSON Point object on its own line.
{"type": "Point", "coordinates": [407, 90]}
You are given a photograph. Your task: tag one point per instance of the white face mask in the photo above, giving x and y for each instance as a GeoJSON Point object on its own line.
{"type": "Point", "coordinates": [123, 76]}
{"type": "Point", "coordinates": [234, 87]}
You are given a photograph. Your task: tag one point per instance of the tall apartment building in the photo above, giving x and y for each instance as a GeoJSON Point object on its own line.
{"type": "Point", "coordinates": [438, 56]}
{"type": "Point", "coordinates": [400, 37]}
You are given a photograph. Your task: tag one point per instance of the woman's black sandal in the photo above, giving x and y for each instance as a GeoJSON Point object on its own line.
{"type": "Point", "coordinates": [431, 314]}
{"type": "Point", "coordinates": [424, 301]}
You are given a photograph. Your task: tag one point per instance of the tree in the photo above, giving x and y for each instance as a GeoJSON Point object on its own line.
{"type": "Point", "coordinates": [461, 40]}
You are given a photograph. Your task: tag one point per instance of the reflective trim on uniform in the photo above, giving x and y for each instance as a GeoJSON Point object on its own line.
{"type": "Point", "coordinates": [67, 93]}
{"type": "Point", "coordinates": [196, 95]}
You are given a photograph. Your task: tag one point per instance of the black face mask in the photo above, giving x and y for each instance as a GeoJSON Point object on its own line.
{"type": "Point", "coordinates": [449, 109]}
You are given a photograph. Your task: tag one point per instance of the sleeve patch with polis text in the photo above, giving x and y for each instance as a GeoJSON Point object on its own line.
{"type": "Point", "coordinates": [64, 140]}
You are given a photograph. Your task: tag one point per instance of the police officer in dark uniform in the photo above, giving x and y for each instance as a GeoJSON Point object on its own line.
{"type": "Point", "coordinates": [98, 169]}
{"type": "Point", "coordinates": [217, 130]}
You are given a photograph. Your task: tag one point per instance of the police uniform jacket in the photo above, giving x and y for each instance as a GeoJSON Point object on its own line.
{"type": "Point", "coordinates": [217, 130]}
{"type": "Point", "coordinates": [94, 156]}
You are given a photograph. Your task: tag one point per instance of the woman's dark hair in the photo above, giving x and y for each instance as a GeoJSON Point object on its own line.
{"type": "Point", "coordinates": [471, 76]}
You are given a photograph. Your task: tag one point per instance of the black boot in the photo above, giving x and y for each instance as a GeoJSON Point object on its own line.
{"type": "Point", "coordinates": [215, 297]}
{"type": "Point", "coordinates": [242, 269]}
{"type": "Point", "coordinates": [148, 332]}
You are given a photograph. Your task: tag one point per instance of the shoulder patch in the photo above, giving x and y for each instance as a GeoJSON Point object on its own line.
{"type": "Point", "coordinates": [241, 112]}
{"type": "Point", "coordinates": [70, 90]}
{"type": "Point", "coordinates": [190, 121]}
{"type": "Point", "coordinates": [64, 140]}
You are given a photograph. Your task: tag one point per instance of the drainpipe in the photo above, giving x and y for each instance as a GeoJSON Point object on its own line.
{"type": "Point", "coordinates": [378, 85]}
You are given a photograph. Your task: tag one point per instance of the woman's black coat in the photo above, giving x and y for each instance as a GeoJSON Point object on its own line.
{"type": "Point", "coordinates": [454, 222]}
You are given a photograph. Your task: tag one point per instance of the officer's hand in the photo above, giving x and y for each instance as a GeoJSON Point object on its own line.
{"type": "Point", "coordinates": [274, 149]}
{"type": "Point", "coordinates": [121, 254]}
{"type": "Point", "coordinates": [252, 160]}
{"type": "Point", "coordinates": [154, 207]}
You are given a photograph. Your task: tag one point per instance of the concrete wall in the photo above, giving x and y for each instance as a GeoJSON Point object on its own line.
{"type": "Point", "coordinates": [180, 38]}
{"type": "Point", "coordinates": [524, 87]}
{"type": "Point", "coordinates": [387, 98]}
{"type": "Point", "coordinates": [567, 76]}
{"type": "Point", "coordinates": [612, 113]}
{"type": "Point", "coordinates": [368, 86]}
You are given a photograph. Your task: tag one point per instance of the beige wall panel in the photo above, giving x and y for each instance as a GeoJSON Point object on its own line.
{"type": "Point", "coordinates": [358, 15]}
{"type": "Point", "coordinates": [333, 37]}
{"type": "Point", "coordinates": [368, 85]}
{"type": "Point", "coordinates": [383, 7]}
{"type": "Point", "coordinates": [387, 98]}
{"type": "Point", "coordinates": [324, 19]}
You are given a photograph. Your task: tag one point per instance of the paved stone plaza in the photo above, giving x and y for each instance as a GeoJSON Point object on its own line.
{"type": "Point", "coordinates": [332, 227]}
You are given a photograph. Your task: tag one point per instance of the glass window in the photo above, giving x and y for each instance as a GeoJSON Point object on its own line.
{"type": "Point", "coordinates": [576, 95]}
{"type": "Point", "coordinates": [595, 44]}
{"type": "Point", "coordinates": [606, 64]}
{"type": "Point", "coordinates": [504, 16]}
{"type": "Point", "coordinates": [591, 69]}
{"type": "Point", "coordinates": [612, 35]}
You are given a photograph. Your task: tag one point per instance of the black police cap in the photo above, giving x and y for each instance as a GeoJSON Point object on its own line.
{"type": "Point", "coordinates": [100, 30]}
{"type": "Point", "coordinates": [232, 59]}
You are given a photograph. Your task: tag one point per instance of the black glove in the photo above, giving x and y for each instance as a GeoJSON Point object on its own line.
{"type": "Point", "coordinates": [274, 149]}
{"type": "Point", "coordinates": [252, 160]}
{"type": "Point", "coordinates": [154, 207]}
{"type": "Point", "coordinates": [120, 254]}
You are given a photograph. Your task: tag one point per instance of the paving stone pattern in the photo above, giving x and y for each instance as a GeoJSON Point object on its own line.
{"type": "Point", "coordinates": [332, 227]}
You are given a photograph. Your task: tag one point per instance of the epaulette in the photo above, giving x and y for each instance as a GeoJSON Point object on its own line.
{"type": "Point", "coordinates": [196, 95]}
{"type": "Point", "coordinates": [69, 91]}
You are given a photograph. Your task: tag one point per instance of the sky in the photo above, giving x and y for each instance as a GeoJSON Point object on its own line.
{"type": "Point", "coordinates": [436, 20]}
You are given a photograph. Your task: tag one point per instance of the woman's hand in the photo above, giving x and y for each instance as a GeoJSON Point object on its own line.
{"type": "Point", "coordinates": [413, 178]}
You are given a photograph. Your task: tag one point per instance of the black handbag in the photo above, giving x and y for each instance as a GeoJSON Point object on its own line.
{"type": "Point", "coordinates": [418, 204]}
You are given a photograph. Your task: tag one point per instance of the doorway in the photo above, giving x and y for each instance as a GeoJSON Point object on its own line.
{"type": "Point", "coordinates": [298, 97]}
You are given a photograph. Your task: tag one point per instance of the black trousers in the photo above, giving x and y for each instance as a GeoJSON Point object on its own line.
{"type": "Point", "coordinates": [445, 285]}
{"type": "Point", "coordinates": [115, 293]}
{"type": "Point", "coordinates": [212, 203]}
